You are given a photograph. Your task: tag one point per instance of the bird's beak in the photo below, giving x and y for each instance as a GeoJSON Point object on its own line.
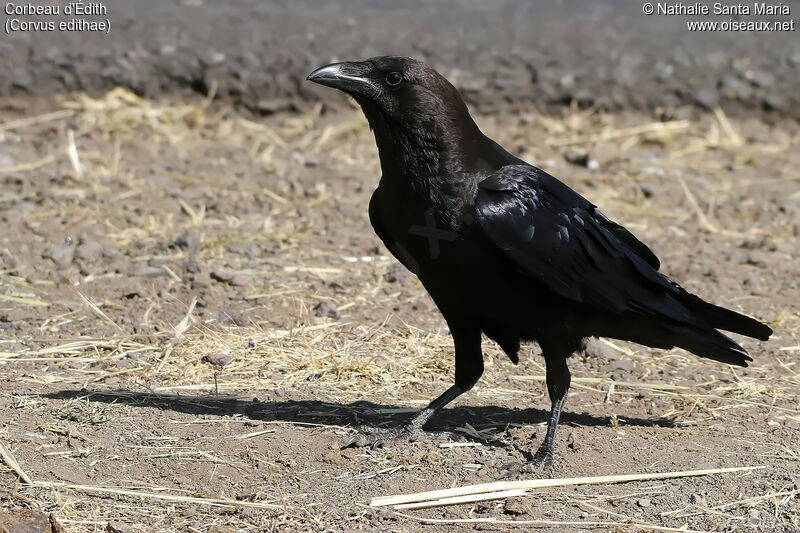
{"type": "Point", "coordinates": [349, 76]}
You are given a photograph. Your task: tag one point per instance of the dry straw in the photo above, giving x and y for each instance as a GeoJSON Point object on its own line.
{"type": "Point", "coordinates": [8, 459]}
{"type": "Point", "coordinates": [501, 489]}
{"type": "Point", "coordinates": [220, 502]}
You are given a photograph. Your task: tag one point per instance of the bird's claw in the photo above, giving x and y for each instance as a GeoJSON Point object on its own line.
{"type": "Point", "coordinates": [542, 464]}
{"type": "Point", "coordinates": [543, 461]}
{"type": "Point", "coordinates": [378, 437]}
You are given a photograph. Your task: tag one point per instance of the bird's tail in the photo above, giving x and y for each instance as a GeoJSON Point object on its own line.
{"type": "Point", "coordinates": [709, 343]}
{"type": "Point", "coordinates": [699, 334]}
{"type": "Point", "coordinates": [706, 341]}
{"type": "Point", "coordinates": [725, 319]}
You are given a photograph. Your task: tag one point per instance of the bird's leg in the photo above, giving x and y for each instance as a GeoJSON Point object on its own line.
{"type": "Point", "coordinates": [545, 455]}
{"type": "Point", "coordinates": [557, 386]}
{"type": "Point", "coordinates": [558, 380]}
{"type": "Point", "coordinates": [469, 368]}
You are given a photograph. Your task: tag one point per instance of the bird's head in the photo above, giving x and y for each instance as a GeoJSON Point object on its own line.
{"type": "Point", "coordinates": [421, 124]}
{"type": "Point", "coordinates": [399, 89]}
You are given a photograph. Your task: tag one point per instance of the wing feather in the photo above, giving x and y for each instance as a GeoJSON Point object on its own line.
{"type": "Point", "coordinates": [562, 240]}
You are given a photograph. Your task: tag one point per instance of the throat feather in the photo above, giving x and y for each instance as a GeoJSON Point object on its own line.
{"type": "Point", "coordinates": [417, 153]}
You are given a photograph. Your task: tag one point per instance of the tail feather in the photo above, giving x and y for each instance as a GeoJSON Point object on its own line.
{"type": "Point", "coordinates": [725, 319]}
{"type": "Point", "coordinates": [709, 343]}
{"type": "Point", "coordinates": [698, 334]}
{"type": "Point", "coordinates": [687, 322]}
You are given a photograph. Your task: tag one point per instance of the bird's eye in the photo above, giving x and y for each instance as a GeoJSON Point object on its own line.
{"type": "Point", "coordinates": [393, 79]}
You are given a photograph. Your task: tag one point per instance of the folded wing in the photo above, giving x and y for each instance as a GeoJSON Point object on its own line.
{"type": "Point", "coordinates": [561, 240]}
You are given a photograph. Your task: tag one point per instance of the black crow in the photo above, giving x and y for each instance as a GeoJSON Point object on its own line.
{"type": "Point", "coordinates": [507, 250]}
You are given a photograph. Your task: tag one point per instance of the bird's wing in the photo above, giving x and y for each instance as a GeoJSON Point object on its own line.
{"type": "Point", "coordinates": [559, 238]}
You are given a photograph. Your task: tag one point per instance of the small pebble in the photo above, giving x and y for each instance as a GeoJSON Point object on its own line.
{"type": "Point", "coordinates": [697, 499]}
{"type": "Point", "coordinates": [232, 278]}
{"type": "Point", "coordinates": [577, 157]}
{"type": "Point", "coordinates": [61, 255]}
{"type": "Point", "coordinates": [146, 271]}
{"type": "Point", "coordinates": [88, 251]}
{"type": "Point", "coordinates": [572, 442]}
{"type": "Point", "coordinates": [241, 280]}
{"type": "Point", "coordinates": [597, 348]}
{"type": "Point", "coordinates": [326, 309]}
{"type": "Point", "coordinates": [217, 359]}
{"type": "Point", "coordinates": [516, 506]}
{"type": "Point", "coordinates": [648, 189]}
{"type": "Point", "coordinates": [624, 365]}
{"type": "Point", "coordinates": [115, 526]}
{"type": "Point", "coordinates": [189, 239]}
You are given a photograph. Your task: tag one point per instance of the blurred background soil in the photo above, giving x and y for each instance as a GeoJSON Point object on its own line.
{"type": "Point", "coordinates": [500, 53]}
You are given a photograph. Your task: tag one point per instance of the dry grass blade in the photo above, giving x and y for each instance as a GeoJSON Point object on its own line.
{"type": "Point", "coordinates": [468, 498]}
{"type": "Point", "coordinates": [34, 121]}
{"type": "Point", "coordinates": [654, 127]}
{"type": "Point", "coordinates": [520, 523]}
{"type": "Point", "coordinates": [605, 381]}
{"type": "Point", "coordinates": [220, 502]}
{"type": "Point", "coordinates": [8, 459]}
{"type": "Point", "coordinates": [733, 136]}
{"type": "Point", "coordinates": [183, 325]}
{"type": "Point", "coordinates": [197, 216]}
{"type": "Point", "coordinates": [72, 153]}
{"type": "Point", "coordinates": [724, 399]}
{"type": "Point", "coordinates": [757, 499]}
{"type": "Point", "coordinates": [99, 312]}
{"type": "Point", "coordinates": [181, 328]}
{"type": "Point", "coordinates": [696, 206]}
{"type": "Point", "coordinates": [31, 165]}
{"type": "Point", "coordinates": [487, 489]}
{"type": "Point", "coordinates": [24, 301]}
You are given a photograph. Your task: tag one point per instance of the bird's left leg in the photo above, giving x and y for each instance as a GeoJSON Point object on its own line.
{"type": "Point", "coordinates": [469, 368]}
{"type": "Point", "coordinates": [558, 380]}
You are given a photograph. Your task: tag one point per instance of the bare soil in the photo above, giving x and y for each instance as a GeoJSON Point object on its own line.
{"type": "Point", "coordinates": [178, 230]}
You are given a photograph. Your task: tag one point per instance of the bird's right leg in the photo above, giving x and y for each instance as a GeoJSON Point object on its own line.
{"type": "Point", "coordinates": [558, 380]}
{"type": "Point", "coordinates": [469, 368]}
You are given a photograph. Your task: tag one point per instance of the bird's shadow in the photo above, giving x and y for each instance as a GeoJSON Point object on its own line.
{"type": "Point", "coordinates": [493, 419]}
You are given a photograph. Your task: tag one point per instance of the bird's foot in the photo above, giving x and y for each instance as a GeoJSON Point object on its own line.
{"type": "Point", "coordinates": [544, 459]}
{"type": "Point", "coordinates": [378, 437]}
{"type": "Point", "coordinates": [541, 464]}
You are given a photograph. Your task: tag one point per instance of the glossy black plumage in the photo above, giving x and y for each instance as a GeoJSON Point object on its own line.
{"type": "Point", "coordinates": [507, 250]}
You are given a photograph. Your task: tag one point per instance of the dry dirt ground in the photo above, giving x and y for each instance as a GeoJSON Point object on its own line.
{"type": "Point", "coordinates": [140, 236]}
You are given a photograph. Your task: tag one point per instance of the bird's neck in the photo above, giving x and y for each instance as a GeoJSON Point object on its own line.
{"type": "Point", "coordinates": [428, 153]}
{"type": "Point", "coordinates": [414, 155]}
